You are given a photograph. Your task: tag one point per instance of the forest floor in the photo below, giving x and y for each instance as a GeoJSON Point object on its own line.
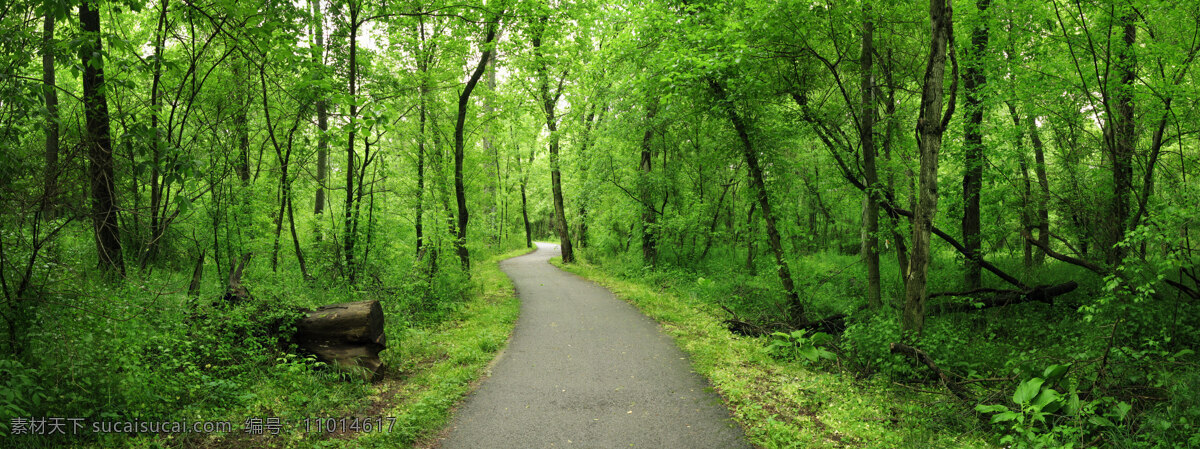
{"type": "Point", "coordinates": [586, 368]}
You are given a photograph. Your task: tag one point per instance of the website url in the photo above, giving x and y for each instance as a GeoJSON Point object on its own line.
{"type": "Point", "coordinates": [73, 426]}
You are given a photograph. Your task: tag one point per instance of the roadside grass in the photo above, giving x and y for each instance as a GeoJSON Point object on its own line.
{"type": "Point", "coordinates": [784, 404]}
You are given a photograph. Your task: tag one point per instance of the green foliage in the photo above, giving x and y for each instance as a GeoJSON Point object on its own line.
{"type": "Point", "coordinates": [20, 394]}
{"type": "Point", "coordinates": [789, 346]}
{"type": "Point", "coordinates": [866, 340]}
{"type": "Point", "coordinates": [1049, 412]}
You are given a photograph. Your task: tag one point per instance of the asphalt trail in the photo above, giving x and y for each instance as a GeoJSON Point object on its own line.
{"type": "Point", "coordinates": [585, 369]}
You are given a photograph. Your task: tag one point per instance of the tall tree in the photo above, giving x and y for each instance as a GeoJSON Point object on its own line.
{"type": "Point", "coordinates": [424, 58]}
{"type": "Point", "coordinates": [931, 123]}
{"type": "Point", "coordinates": [1123, 137]}
{"type": "Point", "coordinates": [350, 224]}
{"type": "Point", "coordinates": [866, 138]}
{"type": "Point", "coordinates": [549, 103]}
{"type": "Point", "coordinates": [974, 83]}
{"type": "Point", "coordinates": [318, 57]}
{"type": "Point", "coordinates": [99, 143]}
{"type": "Point", "coordinates": [795, 306]}
{"type": "Point", "coordinates": [464, 98]}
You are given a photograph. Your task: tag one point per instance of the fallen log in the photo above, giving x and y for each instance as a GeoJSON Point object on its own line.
{"type": "Point", "coordinates": [921, 356]}
{"type": "Point", "coordinates": [348, 336]}
{"type": "Point", "coordinates": [1001, 298]}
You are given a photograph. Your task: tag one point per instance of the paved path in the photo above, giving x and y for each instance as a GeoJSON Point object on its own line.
{"type": "Point", "coordinates": [585, 369]}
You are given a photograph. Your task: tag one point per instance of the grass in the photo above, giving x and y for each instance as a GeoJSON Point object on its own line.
{"type": "Point", "coordinates": [787, 404]}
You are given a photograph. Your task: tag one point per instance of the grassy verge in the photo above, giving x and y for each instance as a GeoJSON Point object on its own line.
{"type": "Point", "coordinates": [786, 404]}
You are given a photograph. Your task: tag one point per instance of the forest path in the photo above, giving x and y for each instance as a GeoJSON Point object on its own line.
{"type": "Point", "coordinates": [585, 369]}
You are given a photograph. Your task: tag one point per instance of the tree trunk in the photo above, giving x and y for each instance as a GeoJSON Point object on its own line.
{"type": "Point", "coordinates": [549, 103]}
{"type": "Point", "coordinates": [974, 80]}
{"type": "Point", "coordinates": [866, 136]}
{"type": "Point", "coordinates": [568, 255]}
{"type": "Point", "coordinates": [645, 188]}
{"type": "Point", "coordinates": [295, 238]}
{"type": "Point", "coordinates": [50, 176]}
{"type": "Point", "coordinates": [930, 126]}
{"type": "Point", "coordinates": [1122, 144]}
{"type": "Point", "coordinates": [1026, 201]}
{"type": "Point", "coordinates": [524, 202]}
{"type": "Point", "coordinates": [751, 269]}
{"type": "Point", "coordinates": [99, 143]}
{"type": "Point", "coordinates": [795, 307]}
{"type": "Point", "coordinates": [349, 223]}
{"type": "Point", "coordinates": [318, 56]}
{"type": "Point", "coordinates": [460, 193]}
{"type": "Point", "coordinates": [1042, 221]}
{"type": "Point", "coordinates": [422, 67]}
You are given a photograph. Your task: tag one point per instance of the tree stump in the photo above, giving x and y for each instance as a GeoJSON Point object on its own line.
{"type": "Point", "coordinates": [348, 336]}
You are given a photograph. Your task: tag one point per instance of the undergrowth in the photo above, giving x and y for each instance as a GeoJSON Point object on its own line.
{"type": "Point", "coordinates": [144, 352]}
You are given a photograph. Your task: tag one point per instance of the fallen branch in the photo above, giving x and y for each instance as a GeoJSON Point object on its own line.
{"type": "Point", "coordinates": [738, 326]}
{"type": "Point", "coordinates": [921, 356]}
{"type": "Point", "coordinates": [1063, 257]}
{"type": "Point", "coordinates": [1041, 293]}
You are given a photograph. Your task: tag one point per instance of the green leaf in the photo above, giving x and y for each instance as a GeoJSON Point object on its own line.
{"type": "Point", "coordinates": [1027, 390]}
{"type": "Point", "coordinates": [1005, 416]}
{"type": "Point", "coordinates": [809, 353]}
{"type": "Point", "coordinates": [1100, 421]}
{"type": "Point", "coordinates": [1048, 401]}
{"type": "Point", "coordinates": [982, 408]}
{"type": "Point", "coordinates": [820, 338]}
{"type": "Point", "coordinates": [1055, 372]}
{"type": "Point", "coordinates": [1121, 410]}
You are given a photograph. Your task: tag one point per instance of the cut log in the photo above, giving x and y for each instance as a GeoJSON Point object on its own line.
{"type": "Point", "coordinates": [352, 322]}
{"type": "Point", "coordinates": [348, 336]}
{"type": "Point", "coordinates": [1041, 293]}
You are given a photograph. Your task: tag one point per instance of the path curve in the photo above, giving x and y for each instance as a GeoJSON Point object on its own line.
{"type": "Point", "coordinates": [585, 369]}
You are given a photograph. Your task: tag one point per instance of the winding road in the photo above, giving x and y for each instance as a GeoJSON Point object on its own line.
{"type": "Point", "coordinates": [585, 369]}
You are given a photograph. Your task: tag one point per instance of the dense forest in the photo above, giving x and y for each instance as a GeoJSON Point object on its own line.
{"type": "Point", "coordinates": [976, 214]}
